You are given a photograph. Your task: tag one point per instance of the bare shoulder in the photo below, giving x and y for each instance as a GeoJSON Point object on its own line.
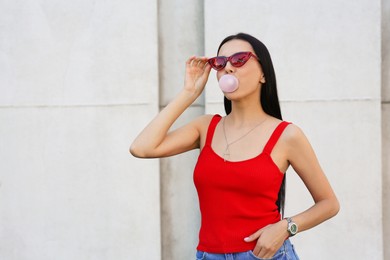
{"type": "Point", "coordinates": [293, 133]}
{"type": "Point", "coordinates": [294, 137]}
{"type": "Point", "coordinates": [202, 122]}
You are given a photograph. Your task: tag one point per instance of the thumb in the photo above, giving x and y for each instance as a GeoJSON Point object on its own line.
{"type": "Point", "coordinates": [254, 236]}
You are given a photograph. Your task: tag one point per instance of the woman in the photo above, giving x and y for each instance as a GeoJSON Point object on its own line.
{"type": "Point", "coordinates": [239, 175]}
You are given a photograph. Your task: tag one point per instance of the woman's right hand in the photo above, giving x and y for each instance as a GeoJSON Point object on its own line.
{"type": "Point", "coordinates": [197, 73]}
{"type": "Point", "coordinates": [155, 141]}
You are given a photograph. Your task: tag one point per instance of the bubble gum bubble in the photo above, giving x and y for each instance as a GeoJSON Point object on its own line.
{"type": "Point", "coordinates": [228, 83]}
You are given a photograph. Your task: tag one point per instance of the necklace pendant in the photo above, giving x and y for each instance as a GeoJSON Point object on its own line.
{"type": "Point", "coordinates": [227, 151]}
{"type": "Point", "coordinates": [226, 154]}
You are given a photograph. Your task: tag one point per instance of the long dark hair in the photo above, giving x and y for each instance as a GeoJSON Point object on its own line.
{"type": "Point", "coordinates": [269, 95]}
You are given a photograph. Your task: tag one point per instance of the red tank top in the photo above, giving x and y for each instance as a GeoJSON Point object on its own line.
{"type": "Point", "coordinates": [236, 198]}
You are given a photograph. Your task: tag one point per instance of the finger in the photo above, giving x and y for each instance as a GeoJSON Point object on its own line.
{"type": "Point", "coordinates": [198, 63]}
{"type": "Point", "coordinates": [194, 62]}
{"type": "Point", "coordinates": [201, 61]}
{"type": "Point", "coordinates": [190, 59]}
{"type": "Point", "coordinates": [254, 236]}
{"type": "Point", "coordinates": [265, 252]}
{"type": "Point", "coordinates": [207, 67]}
{"type": "Point", "coordinates": [206, 64]}
{"type": "Point", "coordinates": [261, 253]}
{"type": "Point", "coordinates": [256, 250]}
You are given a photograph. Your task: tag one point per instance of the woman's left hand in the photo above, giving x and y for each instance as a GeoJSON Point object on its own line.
{"type": "Point", "coordinates": [269, 239]}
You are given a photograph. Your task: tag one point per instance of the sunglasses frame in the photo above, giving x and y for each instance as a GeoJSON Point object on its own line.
{"type": "Point", "coordinates": [228, 59]}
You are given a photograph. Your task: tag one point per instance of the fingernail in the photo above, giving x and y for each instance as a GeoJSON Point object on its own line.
{"type": "Point", "coordinates": [246, 239]}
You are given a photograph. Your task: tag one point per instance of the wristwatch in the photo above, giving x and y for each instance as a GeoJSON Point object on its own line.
{"type": "Point", "coordinates": [292, 227]}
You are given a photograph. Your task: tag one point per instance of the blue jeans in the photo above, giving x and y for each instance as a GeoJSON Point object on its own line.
{"type": "Point", "coordinates": [285, 252]}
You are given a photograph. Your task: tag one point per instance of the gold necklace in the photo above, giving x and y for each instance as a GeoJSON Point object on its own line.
{"type": "Point", "coordinates": [226, 153]}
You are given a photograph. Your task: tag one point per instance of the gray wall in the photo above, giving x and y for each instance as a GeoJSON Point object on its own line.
{"type": "Point", "coordinates": [386, 123]}
{"type": "Point", "coordinates": [79, 79]}
{"type": "Point", "coordinates": [180, 36]}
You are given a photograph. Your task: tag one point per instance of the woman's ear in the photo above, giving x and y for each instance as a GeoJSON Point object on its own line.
{"type": "Point", "coordinates": [262, 79]}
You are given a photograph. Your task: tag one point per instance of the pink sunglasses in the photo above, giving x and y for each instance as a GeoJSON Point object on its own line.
{"type": "Point", "coordinates": [237, 60]}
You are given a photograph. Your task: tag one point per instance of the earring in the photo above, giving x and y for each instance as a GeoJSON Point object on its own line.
{"type": "Point", "coordinates": [262, 80]}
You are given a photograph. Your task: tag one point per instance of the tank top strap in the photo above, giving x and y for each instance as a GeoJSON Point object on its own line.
{"type": "Point", "coordinates": [275, 137]}
{"type": "Point", "coordinates": [210, 131]}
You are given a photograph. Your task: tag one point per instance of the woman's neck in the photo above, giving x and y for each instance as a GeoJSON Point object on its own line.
{"type": "Point", "coordinates": [246, 113]}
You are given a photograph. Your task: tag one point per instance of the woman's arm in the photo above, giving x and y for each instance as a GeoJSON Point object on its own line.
{"type": "Point", "coordinates": [154, 140]}
{"type": "Point", "coordinates": [305, 163]}
{"type": "Point", "coordinates": [302, 158]}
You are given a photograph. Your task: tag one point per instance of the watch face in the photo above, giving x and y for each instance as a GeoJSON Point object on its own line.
{"type": "Point", "coordinates": [293, 228]}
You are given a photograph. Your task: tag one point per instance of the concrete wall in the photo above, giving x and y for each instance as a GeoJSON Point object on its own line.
{"type": "Point", "coordinates": [72, 99]}
{"type": "Point", "coordinates": [180, 36]}
{"type": "Point", "coordinates": [386, 122]}
{"type": "Point", "coordinates": [78, 80]}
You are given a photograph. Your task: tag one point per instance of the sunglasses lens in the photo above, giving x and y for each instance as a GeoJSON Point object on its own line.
{"type": "Point", "coordinates": [218, 62]}
{"type": "Point", "coordinates": [239, 59]}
